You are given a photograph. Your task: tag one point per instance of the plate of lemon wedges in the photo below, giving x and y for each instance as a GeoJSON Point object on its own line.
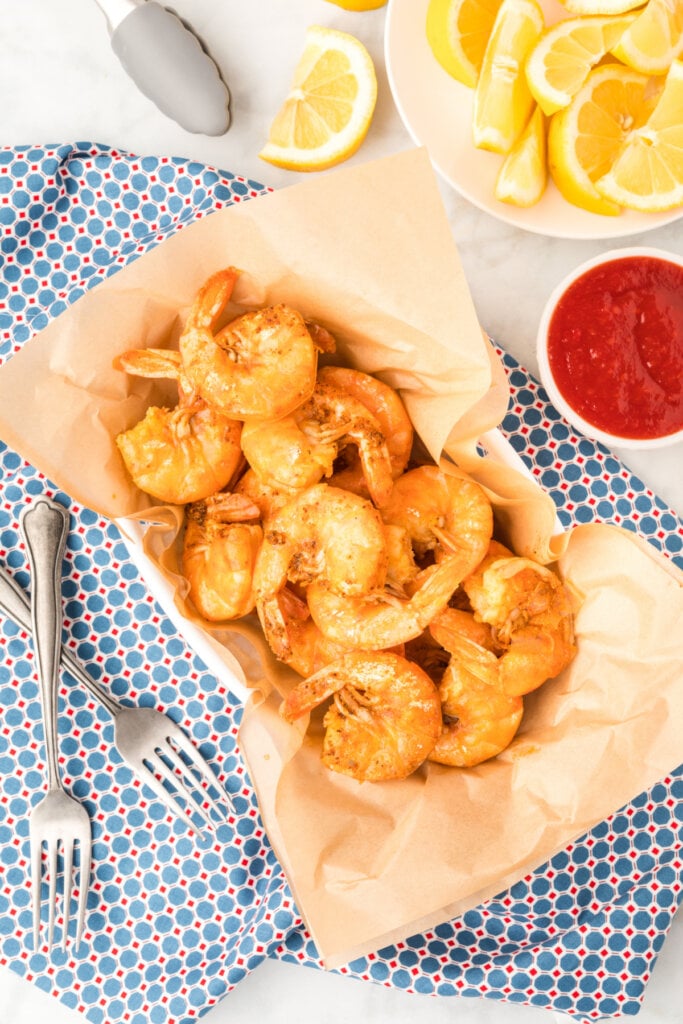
{"type": "Point", "coordinates": [565, 119]}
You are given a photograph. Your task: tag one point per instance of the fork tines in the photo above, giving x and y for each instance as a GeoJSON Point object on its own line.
{"type": "Point", "coordinates": [47, 850]}
{"type": "Point", "coordinates": [179, 775]}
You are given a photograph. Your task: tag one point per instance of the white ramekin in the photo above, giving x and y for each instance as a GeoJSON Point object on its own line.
{"type": "Point", "coordinates": [554, 394]}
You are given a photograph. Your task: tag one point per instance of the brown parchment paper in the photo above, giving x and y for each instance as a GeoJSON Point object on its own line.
{"type": "Point", "coordinates": [368, 252]}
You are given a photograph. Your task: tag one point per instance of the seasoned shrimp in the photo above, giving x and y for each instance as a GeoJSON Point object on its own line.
{"type": "Point", "coordinates": [302, 646]}
{"type": "Point", "coordinates": [300, 449]}
{"type": "Point", "coordinates": [384, 720]}
{"type": "Point", "coordinates": [323, 533]}
{"type": "Point", "coordinates": [380, 619]}
{"type": "Point", "coordinates": [183, 454]}
{"type": "Point", "coordinates": [262, 364]}
{"type": "Point", "coordinates": [269, 499]}
{"type": "Point", "coordinates": [222, 538]}
{"type": "Point", "coordinates": [402, 571]}
{"type": "Point", "coordinates": [386, 406]}
{"type": "Point", "coordinates": [531, 615]}
{"type": "Point", "coordinates": [479, 718]}
{"type": "Point", "coordinates": [443, 513]}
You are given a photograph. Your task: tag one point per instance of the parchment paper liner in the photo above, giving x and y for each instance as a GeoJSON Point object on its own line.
{"type": "Point", "coordinates": [368, 252]}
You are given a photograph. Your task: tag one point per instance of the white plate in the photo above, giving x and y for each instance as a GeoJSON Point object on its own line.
{"type": "Point", "coordinates": [437, 111]}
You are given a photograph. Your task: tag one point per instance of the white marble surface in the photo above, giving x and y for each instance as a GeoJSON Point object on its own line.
{"type": "Point", "coordinates": [59, 82]}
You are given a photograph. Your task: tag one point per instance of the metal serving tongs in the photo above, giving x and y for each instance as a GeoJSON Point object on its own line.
{"type": "Point", "coordinates": [152, 745]}
{"type": "Point", "coordinates": [168, 64]}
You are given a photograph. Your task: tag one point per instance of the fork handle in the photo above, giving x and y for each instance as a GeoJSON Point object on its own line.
{"type": "Point", "coordinates": [45, 525]}
{"type": "Point", "coordinates": [15, 604]}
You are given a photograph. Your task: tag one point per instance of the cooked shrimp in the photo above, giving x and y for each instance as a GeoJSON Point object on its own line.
{"type": "Point", "coordinates": [222, 538]}
{"type": "Point", "coordinates": [479, 718]}
{"type": "Point", "coordinates": [443, 513]}
{"type": "Point", "coordinates": [183, 454]}
{"type": "Point", "coordinates": [323, 533]}
{"type": "Point", "coordinates": [298, 450]}
{"type": "Point", "coordinates": [455, 626]}
{"type": "Point", "coordinates": [268, 499]}
{"type": "Point", "coordinates": [379, 619]}
{"type": "Point", "coordinates": [386, 406]}
{"type": "Point", "coordinates": [384, 720]}
{"type": "Point", "coordinates": [262, 364]}
{"type": "Point", "coordinates": [302, 646]}
{"type": "Point", "coordinates": [531, 615]}
{"type": "Point", "coordinates": [402, 570]}
{"type": "Point", "coordinates": [428, 654]}
{"type": "Point", "coordinates": [474, 583]}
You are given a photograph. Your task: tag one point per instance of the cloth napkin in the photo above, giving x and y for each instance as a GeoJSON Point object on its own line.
{"type": "Point", "coordinates": [174, 923]}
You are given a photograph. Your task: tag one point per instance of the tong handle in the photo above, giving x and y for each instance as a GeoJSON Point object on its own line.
{"type": "Point", "coordinates": [116, 10]}
{"type": "Point", "coordinates": [168, 64]}
{"type": "Point", "coordinates": [45, 526]}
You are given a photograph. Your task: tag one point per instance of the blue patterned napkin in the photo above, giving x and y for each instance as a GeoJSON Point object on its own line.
{"type": "Point", "coordinates": [174, 924]}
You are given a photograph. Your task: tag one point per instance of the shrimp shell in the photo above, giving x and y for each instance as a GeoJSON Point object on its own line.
{"type": "Point", "coordinates": [443, 513]}
{"type": "Point", "coordinates": [268, 499]}
{"type": "Point", "coordinates": [323, 533]}
{"type": "Point", "coordinates": [183, 454]}
{"type": "Point", "coordinates": [530, 611]}
{"type": "Point", "coordinates": [384, 403]}
{"type": "Point", "coordinates": [301, 645]}
{"type": "Point", "coordinates": [480, 718]}
{"type": "Point", "coordinates": [379, 619]}
{"type": "Point", "coordinates": [263, 364]}
{"type": "Point", "coordinates": [222, 539]}
{"type": "Point", "coordinates": [298, 450]}
{"type": "Point", "coordinates": [384, 720]}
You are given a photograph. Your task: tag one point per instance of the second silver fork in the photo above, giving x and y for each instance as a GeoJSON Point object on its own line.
{"type": "Point", "coordinates": [153, 746]}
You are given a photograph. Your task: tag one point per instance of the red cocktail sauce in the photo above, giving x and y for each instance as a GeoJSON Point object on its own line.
{"type": "Point", "coordinates": [615, 347]}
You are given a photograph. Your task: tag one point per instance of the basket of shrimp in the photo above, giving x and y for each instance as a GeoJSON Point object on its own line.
{"type": "Point", "coordinates": [293, 423]}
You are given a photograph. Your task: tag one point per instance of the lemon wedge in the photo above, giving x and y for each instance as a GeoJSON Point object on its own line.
{"type": "Point", "coordinates": [523, 175]}
{"type": "Point", "coordinates": [328, 111]}
{"type": "Point", "coordinates": [457, 32]}
{"type": "Point", "coordinates": [654, 39]}
{"type": "Point", "coordinates": [647, 174]}
{"type": "Point", "coordinates": [502, 100]}
{"type": "Point", "coordinates": [586, 137]}
{"type": "Point", "coordinates": [559, 63]}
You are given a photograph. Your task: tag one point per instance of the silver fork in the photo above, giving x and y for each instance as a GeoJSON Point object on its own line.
{"type": "Point", "coordinates": [58, 820]}
{"type": "Point", "coordinates": [149, 741]}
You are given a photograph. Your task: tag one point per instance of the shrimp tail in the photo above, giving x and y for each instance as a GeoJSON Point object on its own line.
{"type": "Point", "coordinates": [274, 624]}
{"type": "Point", "coordinates": [149, 362]}
{"type": "Point", "coordinates": [322, 339]}
{"type": "Point", "coordinates": [211, 300]}
{"type": "Point", "coordinates": [311, 692]}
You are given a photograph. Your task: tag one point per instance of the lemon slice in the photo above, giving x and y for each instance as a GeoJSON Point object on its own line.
{"type": "Point", "coordinates": [647, 174]}
{"type": "Point", "coordinates": [523, 176]}
{"type": "Point", "coordinates": [654, 39]}
{"type": "Point", "coordinates": [593, 7]}
{"type": "Point", "coordinates": [328, 111]}
{"type": "Point", "coordinates": [359, 5]}
{"type": "Point", "coordinates": [559, 63]}
{"type": "Point", "coordinates": [585, 138]}
{"type": "Point", "coordinates": [457, 32]}
{"type": "Point", "coordinates": [502, 100]}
